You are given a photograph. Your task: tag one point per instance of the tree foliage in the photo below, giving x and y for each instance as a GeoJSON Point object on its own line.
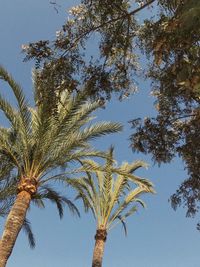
{"type": "Point", "coordinates": [112, 67]}
{"type": "Point", "coordinates": [173, 43]}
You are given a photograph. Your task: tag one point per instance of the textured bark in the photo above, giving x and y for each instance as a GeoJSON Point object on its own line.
{"type": "Point", "coordinates": [13, 225]}
{"type": "Point", "coordinates": [99, 248]}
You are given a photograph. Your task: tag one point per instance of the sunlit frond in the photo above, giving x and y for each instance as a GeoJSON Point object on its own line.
{"type": "Point", "coordinates": [23, 113]}
{"type": "Point", "coordinates": [112, 193]}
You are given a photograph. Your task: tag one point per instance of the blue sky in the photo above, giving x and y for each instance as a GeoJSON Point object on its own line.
{"type": "Point", "coordinates": [157, 236]}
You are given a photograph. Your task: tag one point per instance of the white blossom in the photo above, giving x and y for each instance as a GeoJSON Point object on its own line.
{"type": "Point", "coordinates": [77, 10]}
{"type": "Point", "coordinates": [24, 47]}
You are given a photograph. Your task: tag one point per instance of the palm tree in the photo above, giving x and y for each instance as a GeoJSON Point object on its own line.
{"type": "Point", "coordinates": [39, 146]}
{"type": "Point", "coordinates": [111, 199]}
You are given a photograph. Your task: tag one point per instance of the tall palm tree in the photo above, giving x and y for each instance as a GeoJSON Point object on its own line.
{"type": "Point", "coordinates": [111, 193]}
{"type": "Point", "coordinates": [40, 145]}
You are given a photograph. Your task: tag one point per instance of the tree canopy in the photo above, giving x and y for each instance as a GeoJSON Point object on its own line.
{"type": "Point", "coordinates": [113, 67]}
{"type": "Point", "coordinates": [173, 43]}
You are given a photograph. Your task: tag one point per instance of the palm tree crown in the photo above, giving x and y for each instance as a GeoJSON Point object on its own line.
{"type": "Point", "coordinates": [111, 192]}
{"type": "Point", "coordinates": [36, 143]}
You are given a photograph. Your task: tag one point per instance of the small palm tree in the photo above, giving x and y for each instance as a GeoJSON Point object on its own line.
{"type": "Point", "coordinates": [40, 144]}
{"type": "Point", "coordinates": [111, 199]}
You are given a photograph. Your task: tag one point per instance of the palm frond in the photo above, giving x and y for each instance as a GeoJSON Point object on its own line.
{"type": "Point", "coordinates": [136, 179]}
{"type": "Point", "coordinates": [107, 186]}
{"type": "Point", "coordinates": [60, 158]}
{"type": "Point", "coordinates": [107, 190]}
{"type": "Point", "coordinates": [131, 198]}
{"type": "Point", "coordinates": [11, 114]}
{"type": "Point", "coordinates": [5, 206]}
{"type": "Point", "coordinates": [83, 193]}
{"type": "Point", "coordinates": [90, 166]}
{"type": "Point", "coordinates": [37, 201]}
{"type": "Point", "coordinates": [8, 185]}
{"type": "Point", "coordinates": [20, 97]}
{"type": "Point", "coordinates": [28, 231]}
{"type": "Point", "coordinates": [9, 151]}
{"type": "Point", "coordinates": [132, 167]}
{"type": "Point", "coordinates": [122, 219]}
{"type": "Point", "coordinates": [123, 224]}
{"type": "Point", "coordinates": [47, 192]}
{"type": "Point", "coordinates": [78, 139]}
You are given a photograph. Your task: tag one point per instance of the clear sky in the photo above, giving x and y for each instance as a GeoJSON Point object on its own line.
{"type": "Point", "coordinates": [157, 236]}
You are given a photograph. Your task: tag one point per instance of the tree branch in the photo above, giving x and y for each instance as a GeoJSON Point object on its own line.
{"type": "Point", "coordinates": [141, 7]}
{"type": "Point", "coordinates": [107, 22]}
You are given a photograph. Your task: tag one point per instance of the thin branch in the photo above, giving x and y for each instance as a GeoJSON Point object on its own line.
{"type": "Point", "coordinates": [141, 7]}
{"type": "Point", "coordinates": [107, 22]}
{"type": "Point", "coordinates": [183, 117]}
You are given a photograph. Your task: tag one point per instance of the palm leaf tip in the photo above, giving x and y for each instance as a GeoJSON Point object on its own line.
{"type": "Point", "coordinates": [123, 224]}
{"type": "Point", "coordinates": [28, 231]}
{"type": "Point", "coordinates": [60, 201]}
{"type": "Point", "coordinates": [149, 187]}
{"type": "Point", "coordinates": [72, 207]}
{"type": "Point", "coordinates": [142, 203]}
{"type": "Point", "coordinates": [102, 128]}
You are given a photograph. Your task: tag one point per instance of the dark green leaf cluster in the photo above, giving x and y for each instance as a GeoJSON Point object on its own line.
{"type": "Point", "coordinates": [113, 68]}
{"type": "Point", "coordinates": [173, 43]}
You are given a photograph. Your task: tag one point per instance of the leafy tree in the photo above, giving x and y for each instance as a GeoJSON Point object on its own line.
{"type": "Point", "coordinates": [38, 147]}
{"type": "Point", "coordinates": [112, 194]}
{"type": "Point", "coordinates": [113, 68]}
{"type": "Point", "coordinates": [173, 42]}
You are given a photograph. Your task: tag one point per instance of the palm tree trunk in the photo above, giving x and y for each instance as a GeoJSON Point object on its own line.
{"type": "Point", "coordinates": [100, 237]}
{"type": "Point", "coordinates": [13, 225]}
